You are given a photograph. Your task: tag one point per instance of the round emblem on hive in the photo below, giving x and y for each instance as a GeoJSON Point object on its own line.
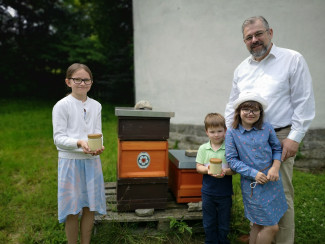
{"type": "Point", "coordinates": [143, 160]}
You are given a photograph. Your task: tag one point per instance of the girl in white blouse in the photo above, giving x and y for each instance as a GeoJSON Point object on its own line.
{"type": "Point", "coordinates": [80, 176]}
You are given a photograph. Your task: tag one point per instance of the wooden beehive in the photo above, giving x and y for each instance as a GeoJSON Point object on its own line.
{"type": "Point", "coordinates": [142, 167]}
{"type": "Point", "coordinates": [184, 181]}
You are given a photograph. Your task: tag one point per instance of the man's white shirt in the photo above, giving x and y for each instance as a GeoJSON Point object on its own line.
{"type": "Point", "coordinates": [284, 80]}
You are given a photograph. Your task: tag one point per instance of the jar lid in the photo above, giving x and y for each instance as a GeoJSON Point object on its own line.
{"type": "Point", "coordinates": [94, 136]}
{"type": "Point", "coordinates": [215, 160]}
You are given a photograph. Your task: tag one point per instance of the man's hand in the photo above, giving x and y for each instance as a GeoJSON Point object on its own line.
{"type": "Point", "coordinates": [289, 148]}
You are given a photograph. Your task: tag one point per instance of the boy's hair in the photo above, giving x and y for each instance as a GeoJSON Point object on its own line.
{"type": "Point", "coordinates": [214, 120]}
{"type": "Point", "coordinates": [248, 105]}
{"type": "Point", "coordinates": [75, 67]}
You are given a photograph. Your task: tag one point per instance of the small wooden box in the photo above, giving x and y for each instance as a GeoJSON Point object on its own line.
{"type": "Point", "coordinates": [184, 181]}
{"type": "Point", "coordinates": [141, 193]}
{"type": "Point", "coordinates": [142, 125]}
{"type": "Point", "coordinates": [142, 159]}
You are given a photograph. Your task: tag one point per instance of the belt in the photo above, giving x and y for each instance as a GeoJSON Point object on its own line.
{"type": "Point", "coordinates": [281, 128]}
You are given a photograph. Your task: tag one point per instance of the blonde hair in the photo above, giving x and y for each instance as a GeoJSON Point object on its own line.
{"type": "Point", "coordinates": [214, 120]}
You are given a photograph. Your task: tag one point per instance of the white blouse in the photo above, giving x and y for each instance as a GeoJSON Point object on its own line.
{"type": "Point", "coordinates": [73, 120]}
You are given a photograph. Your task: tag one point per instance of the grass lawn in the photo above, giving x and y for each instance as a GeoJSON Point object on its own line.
{"type": "Point", "coordinates": [28, 184]}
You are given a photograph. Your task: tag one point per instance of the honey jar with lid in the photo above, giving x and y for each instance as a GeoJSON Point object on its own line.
{"type": "Point", "coordinates": [95, 141]}
{"type": "Point", "coordinates": [215, 166]}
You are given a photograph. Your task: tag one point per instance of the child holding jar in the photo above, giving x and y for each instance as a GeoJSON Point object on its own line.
{"type": "Point", "coordinates": [216, 188]}
{"type": "Point", "coordinates": [80, 176]}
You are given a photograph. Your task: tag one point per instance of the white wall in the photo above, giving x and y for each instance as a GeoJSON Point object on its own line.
{"type": "Point", "coordinates": [186, 50]}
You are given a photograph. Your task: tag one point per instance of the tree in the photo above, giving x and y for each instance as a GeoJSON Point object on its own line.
{"type": "Point", "coordinates": [113, 24]}
{"type": "Point", "coordinates": [40, 39]}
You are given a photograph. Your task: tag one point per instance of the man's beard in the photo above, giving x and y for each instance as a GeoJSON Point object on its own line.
{"type": "Point", "coordinates": [260, 53]}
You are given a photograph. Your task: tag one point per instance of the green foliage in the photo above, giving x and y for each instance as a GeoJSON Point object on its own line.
{"type": "Point", "coordinates": [126, 233]}
{"type": "Point", "coordinates": [299, 155]}
{"type": "Point", "coordinates": [119, 33]}
{"type": "Point", "coordinates": [239, 224]}
{"type": "Point", "coordinates": [42, 38]}
{"type": "Point", "coordinates": [179, 226]}
{"type": "Point", "coordinates": [309, 207]}
{"type": "Point", "coordinates": [109, 158]}
{"type": "Point", "coordinates": [175, 146]}
{"type": "Point", "coordinates": [27, 171]}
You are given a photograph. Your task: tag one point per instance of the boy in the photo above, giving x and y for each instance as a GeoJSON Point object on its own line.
{"type": "Point", "coordinates": [216, 189]}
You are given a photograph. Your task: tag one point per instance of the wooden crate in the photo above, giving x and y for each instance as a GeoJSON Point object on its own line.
{"type": "Point", "coordinates": [143, 128]}
{"type": "Point", "coordinates": [141, 193]}
{"type": "Point", "coordinates": [185, 183]}
{"type": "Point", "coordinates": [142, 159]}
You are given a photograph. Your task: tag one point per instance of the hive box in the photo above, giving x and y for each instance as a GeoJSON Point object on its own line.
{"type": "Point", "coordinates": [184, 181]}
{"type": "Point", "coordinates": [141, 193]}
{"type": "Point", "coordinates": [142, 159]}
{"type": "Point", "coordinates": [137, 124]}
{"type": "Point", "coordinates": [142, 167]}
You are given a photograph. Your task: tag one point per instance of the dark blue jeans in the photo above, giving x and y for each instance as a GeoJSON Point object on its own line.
{"type": "Point", "coordinates": [216, 218]}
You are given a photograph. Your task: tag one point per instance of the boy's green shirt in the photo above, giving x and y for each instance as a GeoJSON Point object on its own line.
{"type": "Point", "coordinates": [206, 152]}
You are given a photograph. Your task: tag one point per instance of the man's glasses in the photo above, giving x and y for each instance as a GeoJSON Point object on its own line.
{"type": "Point", "coordinates": [78, 81]}
{"type": "Point", "coordinates": [256, 35]}
{"type": "Point", "coordinates": [253, 111]}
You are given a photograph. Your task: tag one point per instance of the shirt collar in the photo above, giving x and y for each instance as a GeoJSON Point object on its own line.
{"type": "Point", "coordinates": [77, 100]}
{"type": "Point", "coordinates": [273, 53]}
{"type": "Point", "coordinates": [208, 146]}
{"type": "Point", "coordinates": [242, 129]}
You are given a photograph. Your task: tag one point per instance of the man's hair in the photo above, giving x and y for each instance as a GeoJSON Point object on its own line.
{"type": "Point", "coordinates": [214, 120]}
{"type": "Point", "coordinates": [252, 20]}
{"type": "Point", "coordinates": [248, 105]}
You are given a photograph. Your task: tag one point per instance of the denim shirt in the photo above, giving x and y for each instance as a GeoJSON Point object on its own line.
{"type": "Point", "coordinates": [248, 151]}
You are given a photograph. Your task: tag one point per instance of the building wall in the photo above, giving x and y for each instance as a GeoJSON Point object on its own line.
{"type": "Point", "coordinates": [186, 50]}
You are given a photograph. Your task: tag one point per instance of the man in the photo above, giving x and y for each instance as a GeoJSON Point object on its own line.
{"type": "Point", "coordinates": [281, 76]}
